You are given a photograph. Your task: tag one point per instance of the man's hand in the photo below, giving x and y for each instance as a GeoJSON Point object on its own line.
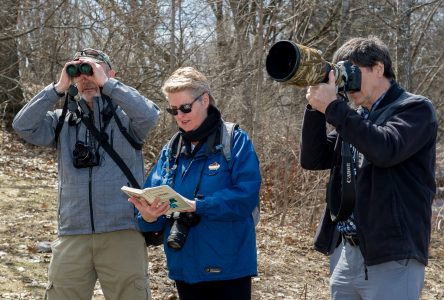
{"type": "Point", "coordinates": [64, 81]}
{"type": "Point", "coordinates": [99, 75]}
{"type": "Point", "coordinates": [321, 95]}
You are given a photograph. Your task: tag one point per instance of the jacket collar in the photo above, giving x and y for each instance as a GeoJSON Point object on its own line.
{"type": "Point", "coordinates": [391, 95]}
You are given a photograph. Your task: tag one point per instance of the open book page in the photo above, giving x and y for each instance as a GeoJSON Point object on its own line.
{"type": "Point", "coordinates": [164, 192]}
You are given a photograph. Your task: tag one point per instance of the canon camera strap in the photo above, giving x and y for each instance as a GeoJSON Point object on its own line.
{"type": "Point", "coordinates": [341, 207]}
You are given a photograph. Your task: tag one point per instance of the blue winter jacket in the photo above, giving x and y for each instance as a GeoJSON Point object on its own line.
{"type": "Point", "coordinates": [222, 245]}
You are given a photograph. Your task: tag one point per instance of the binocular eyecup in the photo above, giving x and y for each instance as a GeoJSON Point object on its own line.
{"type": "Point", "coordinates": [75, 70]}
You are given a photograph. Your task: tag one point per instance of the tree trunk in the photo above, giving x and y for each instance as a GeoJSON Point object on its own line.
{"type": "Point", "coordinates": [173, 37]}
{"type": "Point", "coordinates": [403, 43]}
{"type": "Point", "coordinates": [11, 94]}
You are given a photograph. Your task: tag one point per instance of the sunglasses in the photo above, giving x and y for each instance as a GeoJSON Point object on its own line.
{"type": "Point", "coordinates": [99, 55]}
{"type": "Point", "coordinates": [185, 108]}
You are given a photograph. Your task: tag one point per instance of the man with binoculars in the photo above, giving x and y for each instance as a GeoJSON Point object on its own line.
{"type": "Point", "coordinates": [98, 233]}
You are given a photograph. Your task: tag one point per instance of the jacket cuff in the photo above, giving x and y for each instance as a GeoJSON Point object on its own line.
{"type": "Point", "coordinates": [59, 94]}
{"type": "Point", "coordinates": [331, 109]}
{"type": "Point", "coordinates": [109, 85]}
{"type": "Point", "coordinates": [154, 226]}
{"type": "Point", "coordinates": [201, 207]}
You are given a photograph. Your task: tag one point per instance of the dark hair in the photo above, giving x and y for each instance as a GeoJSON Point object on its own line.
{"type": "Point", "coordinates": [366, 52]}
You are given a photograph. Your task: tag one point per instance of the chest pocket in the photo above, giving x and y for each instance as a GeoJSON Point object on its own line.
{"type": "Point", "coordinates": [216, 173]}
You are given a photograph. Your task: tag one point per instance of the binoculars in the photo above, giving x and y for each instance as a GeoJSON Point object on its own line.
{"type": "Point", "coordinates": [75, 70]}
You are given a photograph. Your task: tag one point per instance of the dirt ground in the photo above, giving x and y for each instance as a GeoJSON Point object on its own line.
{"type": "Point", "coordinates": [288, 267]}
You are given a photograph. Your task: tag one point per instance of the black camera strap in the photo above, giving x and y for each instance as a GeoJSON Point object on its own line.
{"type": "Point", "coordinates": [72, 91]}
{"type": "Point", "coordinates": [123, 130]}
{"type": "Point", "coordinates": [348, 183]}
{"type": "Point", "coordinates": [341, 189]}
{"type": "Point", "coordinates": [103, 142]}
{"type": "Point", "coordinates": [153, 238]}
{"type": "Point", "coordinates": [100, 137]}
{"type": "Point", "coordinates": [61, 120]}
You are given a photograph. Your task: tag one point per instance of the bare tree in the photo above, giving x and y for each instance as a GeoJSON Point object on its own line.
{"type": "Point", "coordinates": [10, 89]}
{"type": "Point", "coordinates": [404, 42]}
{"type": "Point", "coordinates": [228, 41]}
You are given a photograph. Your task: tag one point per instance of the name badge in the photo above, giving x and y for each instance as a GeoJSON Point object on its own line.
{"type": "Point", "coordinates": [214, 166]}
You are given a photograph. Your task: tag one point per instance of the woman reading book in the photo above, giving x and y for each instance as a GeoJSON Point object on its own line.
{"type": "Point", "coordinates": [211, 248]}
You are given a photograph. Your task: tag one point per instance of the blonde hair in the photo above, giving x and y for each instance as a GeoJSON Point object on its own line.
{"type": "Point", "coordinates": [187, 78]}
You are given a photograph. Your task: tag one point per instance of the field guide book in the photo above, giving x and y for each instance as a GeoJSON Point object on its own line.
{"type": "Point", "coordinates": [164, 192]}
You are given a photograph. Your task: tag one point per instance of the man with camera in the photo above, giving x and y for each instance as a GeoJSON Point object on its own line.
{"type": "Point", "coordinates": [382, 242]}
{"type": "Point", "coordinates": [98, 232]}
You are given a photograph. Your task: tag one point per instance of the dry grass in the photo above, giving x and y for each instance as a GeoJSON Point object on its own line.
{"type": "Point", "coordinates": [288, 267]}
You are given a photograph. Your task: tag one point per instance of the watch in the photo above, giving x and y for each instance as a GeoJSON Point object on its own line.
{"type": "Point", "coordinates": [60, 94]}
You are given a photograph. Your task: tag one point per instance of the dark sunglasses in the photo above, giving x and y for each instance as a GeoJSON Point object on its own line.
{"type": "Point", "coordinates": [185, 108]}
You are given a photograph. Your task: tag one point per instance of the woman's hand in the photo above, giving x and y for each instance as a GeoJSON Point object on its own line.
{"type": "Point", "coordinates": [150, 213]}
{"type": "Point", "coordinates": [192, 204]}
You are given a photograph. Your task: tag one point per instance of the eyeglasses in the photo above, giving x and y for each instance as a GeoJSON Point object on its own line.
{"type": "Point", "coordinates": [185, 108]}
{"type": "Point", "coordinates": [96, 54]}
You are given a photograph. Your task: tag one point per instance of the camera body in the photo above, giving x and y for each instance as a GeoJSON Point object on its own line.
{"type": "Point", "coordinates": [351, 76]}
{"type": "Point", "coordinates": [182, 222]}
{"type": "Point", "coordinates": [85, 156]}
{"type": "Point", "coordinates": [302, 66]}
{"type": "Point", "coordinates": [75, 70]}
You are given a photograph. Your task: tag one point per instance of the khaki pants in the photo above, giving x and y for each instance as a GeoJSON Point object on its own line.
{"type": "Point", "coordinates": [118, 259]}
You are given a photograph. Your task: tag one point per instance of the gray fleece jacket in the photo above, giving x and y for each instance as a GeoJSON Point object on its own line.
{"type": "Point", "coordinates": [90, 199]}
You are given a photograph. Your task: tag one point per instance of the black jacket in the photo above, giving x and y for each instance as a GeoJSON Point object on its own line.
{"type": "Point", "coordinates": [395, 182]}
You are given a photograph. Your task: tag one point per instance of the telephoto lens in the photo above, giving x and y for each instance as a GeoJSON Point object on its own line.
{"type": "Point", "coordinates": [298, 65]}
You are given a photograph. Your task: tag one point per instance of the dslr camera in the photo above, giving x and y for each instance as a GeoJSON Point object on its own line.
{"type": "Point", "coordinates": [302, 66]}
{"type": "Point", "coordinates": [182, 222]}
{"type": "Point", "coordinates": [84, 156]}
